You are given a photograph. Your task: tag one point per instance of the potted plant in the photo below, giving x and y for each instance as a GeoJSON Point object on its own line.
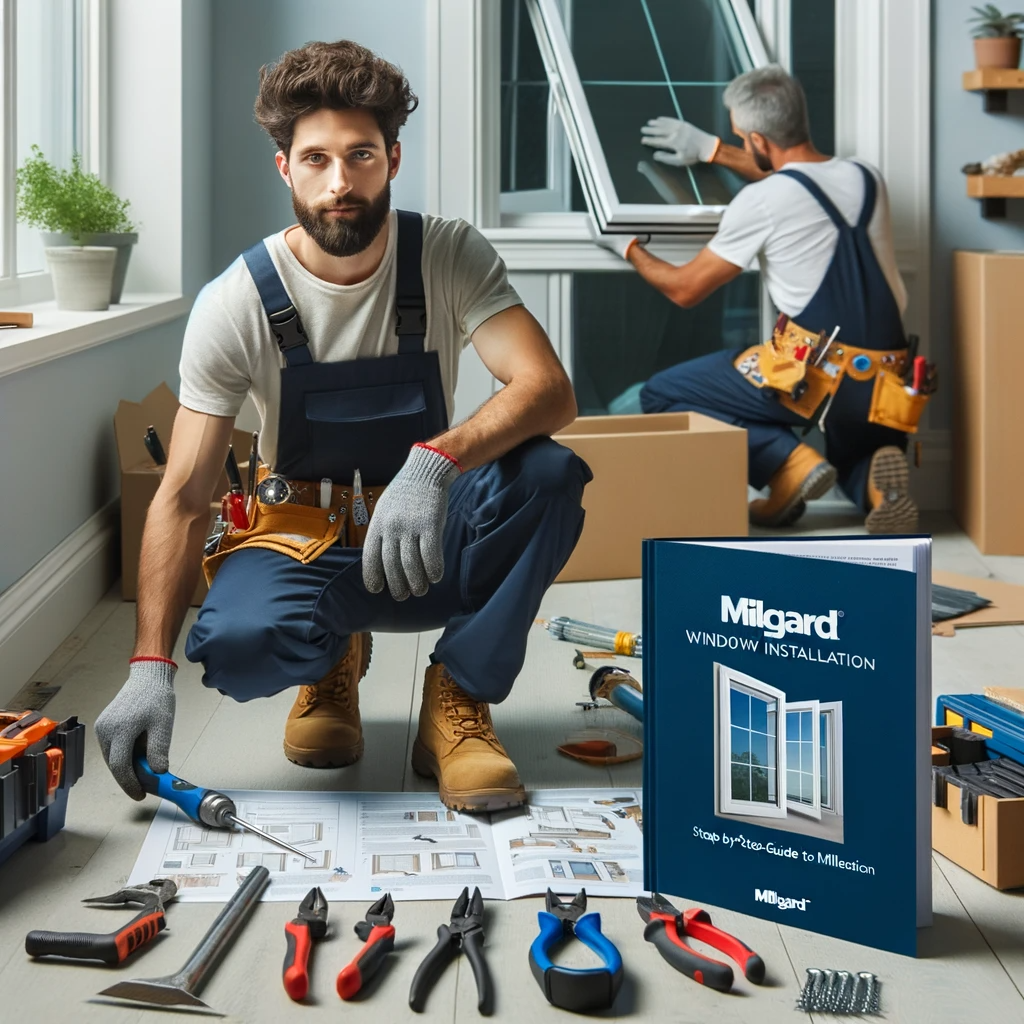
{"type": "Point", "coordinates": [75, 211]}
{"type": "Point", "coordinates": [996, 37]}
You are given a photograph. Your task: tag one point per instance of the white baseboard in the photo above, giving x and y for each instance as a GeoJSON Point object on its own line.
{"type": "Point", "coordinates": [39, 611]}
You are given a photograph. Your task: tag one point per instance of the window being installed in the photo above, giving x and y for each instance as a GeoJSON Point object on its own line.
{"type": "Point", "coordinates": [614, 64]}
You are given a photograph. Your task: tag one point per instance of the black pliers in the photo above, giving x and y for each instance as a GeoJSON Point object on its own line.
{"type": "Point", "coordinates": [378, 935]}
{"type": "Point", "coordinates": [310, 925]}
{"type": "Point", "coordinates": [575, 988]}
{"type": "Point", "coordinates": [465, 931]}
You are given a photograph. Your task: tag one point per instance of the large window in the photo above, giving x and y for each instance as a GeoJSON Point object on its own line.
{"type": "Point", "coordinates": [45, 85]}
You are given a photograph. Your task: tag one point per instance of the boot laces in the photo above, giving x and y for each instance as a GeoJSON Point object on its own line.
{"type": "Point", "coordinates": [337, 687]}
{"type": "Point", "coordinates": [470, 719]}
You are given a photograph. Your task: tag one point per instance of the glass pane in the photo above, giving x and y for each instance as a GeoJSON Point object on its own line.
{"type": "Point", "coordinates": [758, 714]}
{"type": "Point", "coordinates": [772, 712]}
{"type": "Point", "coordinates": [772, 798]}
{"type": "Point", "coordinates": [740, 782]}
{"type": "Point", "coordinates": [640, 59]}
{"type": "Point", "coordinates": [46, 97]}
{"type": "Point", "coordinates": [759, 785]}
{"type": "Point", "coordinates": [823, 765]}
{"type": "Point", "coordinates": [793, 755]}
{"type": "Point", "coordinates": [740, 745]}
{"type": "Point", "coordinates": [624, 332]}
{"type": "Point", "coordinates": [807, 758]}
{"type": "Point", "coordinates": [771, 752]}
{"type": "Point", "coordinates": [814, 64]}
{"type": "Point", "coordinates": [792, 785]}
{"type": "Point", "coordinates": [805, 726]}
{"type": "Point", "coordinates": [758, 748]}
{"type": "Point", "coordinates": [739, 707]}
{"type": "Point", "coordinates": [524, 103]}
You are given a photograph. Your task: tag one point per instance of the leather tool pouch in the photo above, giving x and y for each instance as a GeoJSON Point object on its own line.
{"type": "Point", "coordinates": [892, 405]}
{"type": "Point", "coordinates": [822, 382]}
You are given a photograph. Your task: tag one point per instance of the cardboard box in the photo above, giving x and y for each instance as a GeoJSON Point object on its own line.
{"type": "Point", "coordinates": [992, 849]}
{"type": "Point", "coordinates": [673, 474]}
{"type": "Point", "coordinates": [140, 478]}
{"type": "Point", "coordinates": [988, 366]}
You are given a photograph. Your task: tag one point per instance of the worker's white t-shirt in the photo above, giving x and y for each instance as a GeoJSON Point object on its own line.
{"type": "Point", "coordinates": [777, 224]}
{"type": "Point", "coordinates": [229, 352]}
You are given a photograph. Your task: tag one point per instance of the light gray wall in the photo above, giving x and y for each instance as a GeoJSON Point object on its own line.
{"type": "Point", "coordinates": [250, 201]}
{"type": "Point", "coordinates": [962, 133]}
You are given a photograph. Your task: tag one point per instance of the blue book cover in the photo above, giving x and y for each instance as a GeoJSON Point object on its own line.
{"type": "Point", "coordinates": [787, 687]}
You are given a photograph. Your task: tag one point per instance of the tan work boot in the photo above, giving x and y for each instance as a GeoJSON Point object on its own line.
{"type": "Point", "coordinates": [805, 475]}
{"type": "Point", "coordinates": [323, 729]}
{"type": "Point", "coordinates": [456, 744]}
{"type": "Point", "coordinates": [892, 508]}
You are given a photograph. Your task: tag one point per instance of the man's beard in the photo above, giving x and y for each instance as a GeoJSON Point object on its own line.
{"type": "Point", "coordinates": [763, 160]}
{"type": "Point", "coordinates": [338, 236]}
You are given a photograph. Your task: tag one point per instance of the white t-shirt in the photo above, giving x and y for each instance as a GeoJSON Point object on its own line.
{"type": "Point", "coordinates": [778, 224]}
{"type": "Point", "coordinates": [229, 352]}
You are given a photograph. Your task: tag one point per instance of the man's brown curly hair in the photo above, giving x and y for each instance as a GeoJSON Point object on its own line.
{"type": "Point", "coordinates": [336, 76]}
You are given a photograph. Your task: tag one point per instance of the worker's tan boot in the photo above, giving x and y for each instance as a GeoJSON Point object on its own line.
{"type": "Point", "coordinates": [456, 744]}
{"type": "Point", "coordinates": [805, 475]}
{"type": "Point", "coordinates": [892, 508]}
{"type": "Point", "coordinates": [323, 729]}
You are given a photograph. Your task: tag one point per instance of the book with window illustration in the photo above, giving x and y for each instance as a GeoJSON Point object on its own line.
{"type": "Point", "coordinates": [787, 687]}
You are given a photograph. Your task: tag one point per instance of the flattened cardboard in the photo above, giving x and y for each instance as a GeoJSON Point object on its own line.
{"type": "Point", "coordinates": [992, 849]}
{"type": "Point", "coordinates": [1008, 696]}
{"type": "Point", "coordinates": [140, 477]}
{"type": "Point", "coordinates": [1007, 608]}
{"type": "Point", "coordinates": [676, 474]}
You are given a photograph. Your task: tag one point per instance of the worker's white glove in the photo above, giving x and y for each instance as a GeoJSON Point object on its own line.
{"type": "Point", "coordinates": [618, 244]}
{"type": "Point", "coordinates": [679, 143]}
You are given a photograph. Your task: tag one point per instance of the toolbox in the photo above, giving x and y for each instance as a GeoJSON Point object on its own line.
{"type": "Point", "coordinates": [40, 760]}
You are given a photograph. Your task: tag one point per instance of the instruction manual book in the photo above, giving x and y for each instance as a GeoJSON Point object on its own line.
{"type": "Point", "coordinates": [787, 689]}
{"type": "Point", "coordinates": [408, 844]}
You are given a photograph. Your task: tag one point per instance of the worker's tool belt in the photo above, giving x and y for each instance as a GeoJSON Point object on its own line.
{"type": "Point", "coordinates": [786, 364]}
{"type": "Point", "coordinates": [298, 528]}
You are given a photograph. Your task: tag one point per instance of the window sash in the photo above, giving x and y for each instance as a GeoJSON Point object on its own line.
{"type": "Point", "coordinates": [813, 809]}
{"type": "Point", "coordinates": [595, 176]}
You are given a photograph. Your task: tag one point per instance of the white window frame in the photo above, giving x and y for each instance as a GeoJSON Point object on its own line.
{"type": "Point", "coordinates": [24, 289]}
{"type": "Point", "coordinates": [833, 712]}
{"type": "Point", "coordinates": [725, 679]}
{"type": "Point", "coordinates": [812, 810]}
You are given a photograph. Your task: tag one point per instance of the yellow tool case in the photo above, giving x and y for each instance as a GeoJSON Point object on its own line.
{"type": "Point", "coordinates": [40, 760]}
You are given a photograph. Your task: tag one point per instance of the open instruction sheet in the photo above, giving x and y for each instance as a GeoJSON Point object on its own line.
{"type": "Point", "coordinates": [408, 844]}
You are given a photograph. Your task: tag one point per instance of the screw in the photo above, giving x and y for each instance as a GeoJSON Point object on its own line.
{"type": "Point", "coordinates": [826, 994]}
{"type": "Point", "coordinates": [843, 997]}
{"type": "Point", "coordinates": [811, 988]}
{"type": "Point", "coordinates": [869, 1004]}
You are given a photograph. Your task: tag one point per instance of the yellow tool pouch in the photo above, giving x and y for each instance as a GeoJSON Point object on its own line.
{"type": "Point", "coordinates": [893, 405]}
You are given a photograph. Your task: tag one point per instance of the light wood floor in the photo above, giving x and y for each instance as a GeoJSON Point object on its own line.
{"type": "Point", "coordinates": [972, 969]}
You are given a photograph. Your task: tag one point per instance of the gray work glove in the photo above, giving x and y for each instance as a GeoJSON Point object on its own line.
{"type": "Point", "coordinates": [145, 704]}
{"type": "Point", "coordinates": [678, 143]}
{"type": "Point", "coordinates": [404, 540]}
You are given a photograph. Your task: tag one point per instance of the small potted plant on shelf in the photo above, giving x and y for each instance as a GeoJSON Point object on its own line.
{"type": "Point", "coordinates": [86, 230]}
{"type": "Point", "coordinates": [996, 37]}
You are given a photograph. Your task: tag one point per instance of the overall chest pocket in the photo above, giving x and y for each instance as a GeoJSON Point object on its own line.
{"type": "Point", "coordinates": [375, 426]}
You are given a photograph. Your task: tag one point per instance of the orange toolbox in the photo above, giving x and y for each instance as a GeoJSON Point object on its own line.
{"type": "Point", "coordinates": [40, 760]}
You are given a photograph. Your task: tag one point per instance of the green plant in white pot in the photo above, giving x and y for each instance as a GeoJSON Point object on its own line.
{"type": "Point", "coordinates": [996, 37]}
{"type": "Point", "coordinates": [80, 218]}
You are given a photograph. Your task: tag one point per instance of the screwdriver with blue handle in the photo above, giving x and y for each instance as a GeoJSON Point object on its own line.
{"type": "Point", "coordinates": [203, 806]}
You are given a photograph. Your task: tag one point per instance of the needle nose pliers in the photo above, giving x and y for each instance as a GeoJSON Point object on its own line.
{"type": "Point", "coordinates": [378, 935]}
{"type": "Point", "coordinates": [464, 932]}
{"type": "Point", "coordinates": [668, 929]}
{"type": "Point", "coordinates": [301, 931]}
{"type": "Point", "coordinates": [574, 988]}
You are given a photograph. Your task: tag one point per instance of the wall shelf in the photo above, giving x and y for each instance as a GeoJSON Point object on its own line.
{"type": "Point", "coordinates": [993, 190]}
{"type": "Point", "coordinates": [994, 84]}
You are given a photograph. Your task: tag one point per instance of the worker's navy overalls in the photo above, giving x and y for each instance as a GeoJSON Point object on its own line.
{"type": "Point", "coordinates": [854, 295]}
{"type": "Point", "coordinates": [269, 622]}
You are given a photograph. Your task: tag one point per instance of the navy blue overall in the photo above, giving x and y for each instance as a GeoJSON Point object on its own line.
{"type": "Point", "coordinates": [269, 622]}
{"type": "Point", "coordinates": [854, 295]}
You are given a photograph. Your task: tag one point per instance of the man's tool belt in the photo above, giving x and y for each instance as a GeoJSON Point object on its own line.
{"type": "Point", "coordinates": [298, 528]}
{"type": "Point", "coordinates": [805, 371]}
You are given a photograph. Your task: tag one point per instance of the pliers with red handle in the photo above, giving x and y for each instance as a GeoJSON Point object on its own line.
{"type": "Point", "coordinates": [310, 925]}
{"type": "Point", "coordinates": [668, 929]}
{"type": "Point", "coordinates": [378, 935]}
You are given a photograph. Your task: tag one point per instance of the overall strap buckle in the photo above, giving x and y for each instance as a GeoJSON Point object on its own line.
{"type": "Point", "coordinates": [287, 327]}
{"type": "Point", "coordinates": [410, 317]}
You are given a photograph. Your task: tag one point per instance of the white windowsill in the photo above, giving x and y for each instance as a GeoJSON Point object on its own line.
{"type": "Point", "coordinates": [59, 332]}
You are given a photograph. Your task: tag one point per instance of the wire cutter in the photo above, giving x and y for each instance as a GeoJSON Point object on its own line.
{"type": "Point", "coordinates": [378, 935]}
{"type": "Point", "coordinates": [465, 931]}
{"type": "Point", "coordinates": [575, 988]}
{"type": "Point", "coordinates": [668, 930]}
{"type": "Point", "coordinates": [310, 925]}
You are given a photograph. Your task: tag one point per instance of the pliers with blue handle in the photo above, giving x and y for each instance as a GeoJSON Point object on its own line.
{"type": "Point", "coordinates": [575, 988]}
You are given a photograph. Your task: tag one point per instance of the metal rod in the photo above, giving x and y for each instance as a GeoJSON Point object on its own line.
{"type": "Point", "coordinates": [242, 823]}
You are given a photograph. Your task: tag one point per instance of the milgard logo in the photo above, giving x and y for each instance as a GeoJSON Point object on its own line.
{"type": "Point", "coordinates": [782, 902]}
{"type": "Point", "coordinates": [776, 623]}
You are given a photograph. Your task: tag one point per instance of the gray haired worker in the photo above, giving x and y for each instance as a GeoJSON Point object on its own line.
{"type": "Point", "coordinates": [818, 228]}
